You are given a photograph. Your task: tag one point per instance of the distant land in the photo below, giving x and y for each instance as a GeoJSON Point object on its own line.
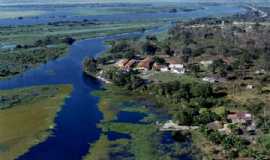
{"type": "Point", "coordinates": [32, 2]}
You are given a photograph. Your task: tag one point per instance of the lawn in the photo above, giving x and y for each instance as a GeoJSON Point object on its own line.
{"type": "Point", "coordinates": [167, 77]}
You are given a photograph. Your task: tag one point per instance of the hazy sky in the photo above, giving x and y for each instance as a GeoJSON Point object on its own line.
{"type": "Point", "coordinates": [10, 2]}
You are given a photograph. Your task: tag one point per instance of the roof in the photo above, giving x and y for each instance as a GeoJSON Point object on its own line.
{"type": "Point", "coordinates": [130, 63]}
{"type": "Point", "coordinates": [159, 66]}
{"type": "Point", "coordinates": [174, 61]}
{"type": "Point", "coordinates": [122, 62]}
{"type": "Point", "coordinates": [240, 115]}
{"type": "Point", "coordinates": [215, 125]}
{"type": "Point", "coordinates": [146, 63]}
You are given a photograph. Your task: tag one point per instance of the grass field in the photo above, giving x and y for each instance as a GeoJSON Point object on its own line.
{"type": "Point", "coordinates": [28, 123]}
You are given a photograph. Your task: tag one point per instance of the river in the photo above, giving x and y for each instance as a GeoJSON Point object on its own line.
{"type": "Point", "coordinates": [76, 122]}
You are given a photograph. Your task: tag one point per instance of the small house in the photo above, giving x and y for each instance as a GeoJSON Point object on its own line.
{"type": "Point", "coordinates": [209, 79]}
{"type": "Point", "coordinates": [122, 62]}
{"type": "Point", "coordinates": [164, 69]}
{"type": "Point", "coordinates": [206, 63]}
{"type": "Point", "coordinates": [240, 117]}
{"type": "Point", "coordinates": [216, 125]}
{"type": "Point", "coordinates": [260, 72]}
{"type": "Point", "coordinates": [145, 64]}
{"type": "Point", "coordinates": [175, 63]}
{"type": "Point", "coordinates": [170, 125]}
{"type": "Point", "coordinates": [160, 67]}
{"type": "Point", "coordinates": [128, 66]}
{"type": "Point", "coordinates": [250, 86]}
{"type": "Point", "coordinates": [178, 70]}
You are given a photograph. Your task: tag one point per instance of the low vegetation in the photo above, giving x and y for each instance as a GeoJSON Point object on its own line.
{"type": "Point", "coordinates": [27, 117]}
{"type": "Point", "coordinates": [144, 141]}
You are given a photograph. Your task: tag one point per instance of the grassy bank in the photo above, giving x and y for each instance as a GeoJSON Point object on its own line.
{"type": "Point", "coordinates": [28, 122]}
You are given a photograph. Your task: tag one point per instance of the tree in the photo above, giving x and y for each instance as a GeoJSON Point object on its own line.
{"type": "Point", "coordinates": [69, 40]}
{"type": "Point", "coordinates": [151, 38]}
{"type": "Point", "coordinates": [149, 48]}
{"type": "Point", "coordinates": [215, 137]}
{"type": "Point", "coordinates": [184, 117]}
{"type": "Point", "coordinates": [168, 50]}
{"type": "Point", "coordinates": [187, 52]}
{"type": "Point", "coordinates": [255, 106]}
{"type": "Point", "coordinates": [159, 60]}
{"type": "Point", "coordinates": [120, 46]}
{"type": "Point", "coordinates": [201, 90]}
{"type": "Point", "coordinates": [90, 65]}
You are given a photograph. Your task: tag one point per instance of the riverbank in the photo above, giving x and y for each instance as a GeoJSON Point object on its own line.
{"type": "Point", "coordinates": [27, 117]}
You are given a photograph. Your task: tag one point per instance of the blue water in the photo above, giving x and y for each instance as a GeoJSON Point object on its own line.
{"type": "Point", "coordinates": [112, 136]}
{"type": "Point", "coordinates": [130, 117]}
{"type": "Point", "coordinates": [76, 122]}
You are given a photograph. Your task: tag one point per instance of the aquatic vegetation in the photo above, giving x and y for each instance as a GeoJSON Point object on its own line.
{"type": "Point", "coordinates": [15, 62]}
{"type": "Point", "coordinates": [137, 137]}
{"type": "Point", "coordinates": [99, 150]}
{"type": "Point", "coordinates": [110, 98]}
{"type": "Point", "coordinates": [28, 122]}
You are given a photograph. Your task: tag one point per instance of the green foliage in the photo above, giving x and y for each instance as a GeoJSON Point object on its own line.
{"type": "Point", "coordinates": [90, 66]}
{"type": "Point", "coordinates": [205, 117]}
{"type": "Point", "coordinates": [120, 46]}
{"type": "Point", "coordinates": [125, 79]}
{"type": "Point", "coordinates": [255, 106]}
{"type": "Point", "coordinates": [149, 48]}
{"type": "Point", "coordinates": [159, 60]}
{"type": "Point", "coordinates": [231, 143]}
{"type": "Point", "coordinates": [19, 60]}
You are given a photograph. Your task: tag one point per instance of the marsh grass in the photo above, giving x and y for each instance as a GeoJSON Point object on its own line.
{"type": "Point", "coordinates": [145, 137]}
{"type": "Point", "coordinates": [29, 123]}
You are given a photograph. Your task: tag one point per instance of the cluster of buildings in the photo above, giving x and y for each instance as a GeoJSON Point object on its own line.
{"type": "Point", "coordinates": [148, 63]}
{"type": "Point", "coordinates": [242, 120]}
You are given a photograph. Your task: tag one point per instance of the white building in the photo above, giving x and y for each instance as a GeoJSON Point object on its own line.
{"type": "Point", "coordinates": [206, 63]}
{"type": "Point", "coordinates": [180, 66]}
{"type": "Point", "coordinates": [178, 70]}
{"type": "Point", "coordinates": [164, 69]}
{"type": "Point", "coordinates": [259, 72]}
{"type": "Point", "coordinates": [209, 79]}
{"type": "Point", "coordinates": [250, 86]}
